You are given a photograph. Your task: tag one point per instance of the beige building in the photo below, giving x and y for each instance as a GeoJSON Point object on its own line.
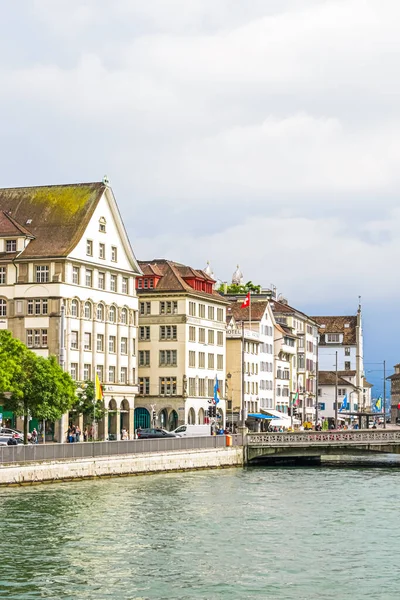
{"type": "Point", "coordinates": [182, 350]}
{"type": "Point", "coordinates": [66, 264]}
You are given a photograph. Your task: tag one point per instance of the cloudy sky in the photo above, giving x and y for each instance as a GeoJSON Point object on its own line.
{"type": "Point", "coordinates": [264, 133]}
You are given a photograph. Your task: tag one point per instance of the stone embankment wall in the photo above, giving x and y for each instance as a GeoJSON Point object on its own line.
{"type": "Point", "coordinates": [115, 466]}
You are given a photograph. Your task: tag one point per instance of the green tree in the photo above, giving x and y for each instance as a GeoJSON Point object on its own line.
{"type": "Point", "coordinates": [37, 387]}
{"type": "Point", "coordinates": [85, 404]}
{"type": "Point", "coordinates": [11, 353]}
{"type": "Point", "coordinates": [235, 290]}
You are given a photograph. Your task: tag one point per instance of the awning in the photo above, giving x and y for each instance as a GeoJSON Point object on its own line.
{"type": "Point", "coordinates": [260, 416]}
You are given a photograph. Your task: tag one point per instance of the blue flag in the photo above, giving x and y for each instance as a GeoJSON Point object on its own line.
{"type": "Point", "coordinates": [344, 404]}
{"type": "Point", "coordinates": [216, 390]}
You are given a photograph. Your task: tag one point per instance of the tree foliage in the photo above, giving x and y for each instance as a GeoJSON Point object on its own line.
{"type": "Point", "coordinates": [32, 385]}
{"type": "Point", "coordinates": [84, 401]}
{"type": "Point", "coordinates": [235, 289]}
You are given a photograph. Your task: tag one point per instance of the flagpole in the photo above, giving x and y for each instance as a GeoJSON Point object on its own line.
{"type": "Point", "coordinates": [384, 394]}
{"type": "Point", "coordinates": [336, 395]}
{"type": "Point", "coordinates": [250, 309]}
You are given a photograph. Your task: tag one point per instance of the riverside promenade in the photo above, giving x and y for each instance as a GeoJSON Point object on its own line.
{"type": "Point", "coordinates": [26, 465]}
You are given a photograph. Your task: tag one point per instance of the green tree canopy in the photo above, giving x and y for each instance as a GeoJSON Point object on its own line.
{"type": "Point", "coordinates": [33, 385]}
{"type": "Point", "coordinates": [235, 289]}
{"type": "Point", "coordinates": [84, 400]}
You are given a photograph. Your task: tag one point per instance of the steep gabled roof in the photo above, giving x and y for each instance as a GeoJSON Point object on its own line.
{"type": "Point", "coordinates": [346, 325]}
{"type": "Point", "coordinates": [11, 227]}
{"type": "Point", "coordinates": [58, 215]}
{"type": "Point", "coordinates": [243, 314]}
{"type": "Point", "coordinates": [329, 378]}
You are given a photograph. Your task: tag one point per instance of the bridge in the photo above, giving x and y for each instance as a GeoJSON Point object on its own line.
{"type": "Point", "coordinates": [311, 445]}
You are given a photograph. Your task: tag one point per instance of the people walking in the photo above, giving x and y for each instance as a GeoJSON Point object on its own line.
{"type": "Point", "coordinates": [34, 436]}
{"type": "Point", "coordinates": [85, 434]}
{"type": "Point", "coordinates": [12, 441]}
{"type": "Point", "coordinates": [77, 434]}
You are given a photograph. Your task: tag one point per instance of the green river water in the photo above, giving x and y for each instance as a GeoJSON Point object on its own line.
{"type": "Point", "coordinates": [227, 534]}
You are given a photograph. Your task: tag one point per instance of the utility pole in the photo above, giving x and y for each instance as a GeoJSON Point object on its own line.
{"type": "Point", "coordinates": [242, 401]}
{"type": "Point", "coordinates": [316, 393]}
{"type": "Point", "coordinates": [384, 394]}
{"type": "Point", "coordinates": [336, 394]}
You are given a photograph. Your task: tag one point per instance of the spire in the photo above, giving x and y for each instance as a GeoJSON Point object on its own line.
{"type": "Point", "coordinates": [208, 270]}
{"type": "Point", "coordinates": [237, 277]}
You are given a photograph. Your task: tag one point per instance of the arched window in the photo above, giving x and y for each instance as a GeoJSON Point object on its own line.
{"type": "Point", "coordinates": [75, 308]}
{"type": "Point", "coordinates": [88, 310]}
{"type": "Point", "coordinates": [112, 314]}
{"type": "Point", "coordinates": [124, 316]}
{"type": "Point", "coordinates": [3, 308]}
{"type": "Point", "coordinates": [100, 312]}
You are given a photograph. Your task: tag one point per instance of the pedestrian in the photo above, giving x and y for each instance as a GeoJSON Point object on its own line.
{"type": "Point", "coordinates": [85, 434]}
{"type": "Point", "coordinates": [34, 437]}
{"type": "Point", "coordinates": [73, 433]}
{"type": "Point", "coordinates": [124, 435]}
{"type": "Point", "coordinates": [77, 433]}
{"type": "Point", "coordinates": [12, 441]}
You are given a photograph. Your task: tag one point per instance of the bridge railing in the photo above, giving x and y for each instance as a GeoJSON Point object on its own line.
{"type": "Point", "coordinates": [317, 438]}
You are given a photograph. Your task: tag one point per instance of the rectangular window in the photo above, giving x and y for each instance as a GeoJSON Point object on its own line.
{"type": "Point", "coordinates": [30, 307]}
{"type": "Point", "coordinates": [102, 250]}
{"type": "Point", "coordinates": [114, 253]}
{"type": "Point", "coordinates": [202, 387]}
{"type": "Point", "coordinates": [42, 274]}
{"type": "Point", "coordinates": [74, 340]}
{"type": "Point", "coordinates": [220, 338]}
{"type": "Point", "coordinates": [220, 362]}
{"type": "Point", "coordinates": [144, 333]}
{"type": "Point", "coordinates": [124, 375]}
{"type": "Point", "coordinates": [100, 372]}
{"type": "Point", "coordinates": [11, 245]}
{"type": "Point", "coordinates": [144, 386]}
{"type": "Point", "coordinates": [145, 308]}
{"type": "Point", "coordinates": [168, 332]}
{"type": "Point", "coordinates": [168, 358]}
{"type": "Point", "coordinates": [87, 344]}
{"type": "Point", "coordinates": [113, 283]}
{"type": "Point", "coordinates": [111, 343]}
{"type": "Point", "coordinates": [211, 313]}
{"type": "Point", "coordinates": [347, 365]}
{"type": "Point", "coordinates": [211, 336]}
{"type": "Point", "coordinates": [89, 247]}
{"type": "Point", "coordinates": [75, 275]}
{"type": "Point", "coordinates": [192, 334]}
{"type": "Point", "coordinates": [89, 278]}
{"type": "Point", "coordinates": [37, 306]}
{"type": "Point", "coordinates": [87, 372]}
{"type": "Point", "coordinates": [211, 361]}
{"type": "Point", "coordinates": [220, 315]}
{"type": "Point", "coordinates": [100, 342]}
{"type": "Point", "coordinates": [210, 391]}
{"type": "Point", "coordinates": [144, 358]}
{"type": "Point", "coordinates": [101, 281]}
{"type": "Point", "coordinates": [74, 371]}
{"type": "Point", "coordinates": [202, 335]}
{"type": "Point", "coordinates": [347, 351]}
{"type": "Point", "coordinates": [333, 337]}
{"type": "Point", "coordinates": [29, 338]}
{"type": "Point", "coordinates": [44, 307]}
{"type": "Point", "coordinates": [124, 345]}
{"type": "Point", "coordinates": [202, 360]}
{"type": "Point", "coordinates": [168, 308]}
{"type": "Point", "coordinates": [111, 374]}
{"type": "Point", "coordinates": [124, 288]}
{"type": "Point", "coordinates": [192, 309]}
{"type": "Point", "coordinates": [167, 386]}
{"type": "Point", "coordinates": [192, 359]}
{"type": "Point", "coordinates": [202, 311]}
{"type": "Point", "coordinates": [3, 275]}
{"type": "Point", "coordinates": [192, 386]}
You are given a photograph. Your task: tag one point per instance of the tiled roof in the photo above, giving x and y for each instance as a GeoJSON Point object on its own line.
{"type": "Point", "coordinates": [10, 227]}
{"type": "Point", "coordinates": [58, 215]}
{"type": "Point", "coordinates": [242, 314]}
{"type": "Point", "coordinates": [329, 378]}
{"type": "Point", "coordinates": [347, 373]}
{"type": "Point", "coordinates": [172, 278]}
{"type": "Point", "coordinates": [337, 325]}
{"type": "Point", "coordinates": [280, 308]}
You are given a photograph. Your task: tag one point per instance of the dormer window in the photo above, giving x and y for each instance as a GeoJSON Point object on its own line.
{"type": "Point", "coordinates": [102, 224]}
{"type": "Point", "coordinates": [11, 245]}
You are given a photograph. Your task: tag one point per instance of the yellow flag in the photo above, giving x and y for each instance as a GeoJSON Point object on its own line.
{"type": "Point", "coordinates": [99, 391]}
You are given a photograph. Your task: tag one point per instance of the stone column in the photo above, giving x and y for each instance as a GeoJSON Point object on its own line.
{"type": "Point", "coordinates": [131, 423]}
{"type": "Point", "coordinates": [130, 353]}
{"type": "Point", "coordinates": [118, 351]}
{"type": "Point", "coordinates": [106, 347]}
{"type": "Point", "coordinates": [94, 341]}
{"type": "Point", "coordinates": [81, 343]}
{"type": "Point", "coordinates": [62, 427]}
{"type": "Point", "coordinates": [118, 416]}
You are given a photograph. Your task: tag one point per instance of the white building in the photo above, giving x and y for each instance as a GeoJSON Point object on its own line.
{"type": "Point", "coordinates": [285, 346]}
{"type": "Point", "coordinates": [66, 246]}
{"type": "Point", "coordinates": [327, 396]}
{"type": "Point", "coordinates": [182, 348]}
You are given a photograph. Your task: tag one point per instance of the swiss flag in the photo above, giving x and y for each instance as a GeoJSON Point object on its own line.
{"type": "Point", "coordinates": [398, 406]}
{"type": "Point", "coordinates": [246, 302]}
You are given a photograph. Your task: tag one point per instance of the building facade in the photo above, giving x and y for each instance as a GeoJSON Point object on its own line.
{"type": "Point", "coordinates": [327, 383]}
{"type": "Point", "coordinates": [395, 394]}
{"type": "Point", "coordinates": [66, 263]}
{"type": "Point", "coordinates": [182, 345]}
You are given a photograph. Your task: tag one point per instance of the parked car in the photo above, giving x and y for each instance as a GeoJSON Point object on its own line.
{"type": "Point", "coordinates": [4, 439]}
{"type": "Point", "coordinates": [7, 431]}
{"type": "Point", "coordinates": [154, 433]}
{"type": "Point", "coordinates": [192, 430]}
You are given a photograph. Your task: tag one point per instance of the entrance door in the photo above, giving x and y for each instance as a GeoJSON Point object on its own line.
{"type": "Point", "coordinates": [142, 418]}
{"type": "Point", "coordinates": [172, 420]}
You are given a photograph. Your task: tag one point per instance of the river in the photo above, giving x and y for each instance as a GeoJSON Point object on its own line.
{"type": "Point", "coordinates": [227, 534]}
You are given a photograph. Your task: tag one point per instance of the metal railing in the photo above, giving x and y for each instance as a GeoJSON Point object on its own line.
{"type": "Point", "coordinates": [81, 450]}
{"type": "Point", "coordinates": [318, 438]}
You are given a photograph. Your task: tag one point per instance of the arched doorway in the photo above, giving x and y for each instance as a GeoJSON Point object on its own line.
{"type": "Point", "coordinates": [192, 417]}
{"type": "Point", "coordinates": [142, 418]}
{"type": "Point", "coordinates": [163, 418]}
{"type": "Point", "coordinates": [124, 418]}
{"type": "Point", "coordinates": [201, 416]}
{"type": "Point", "coordinates": [112, 420]}
{"type": "Point", "coordinates": [172, 420]}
